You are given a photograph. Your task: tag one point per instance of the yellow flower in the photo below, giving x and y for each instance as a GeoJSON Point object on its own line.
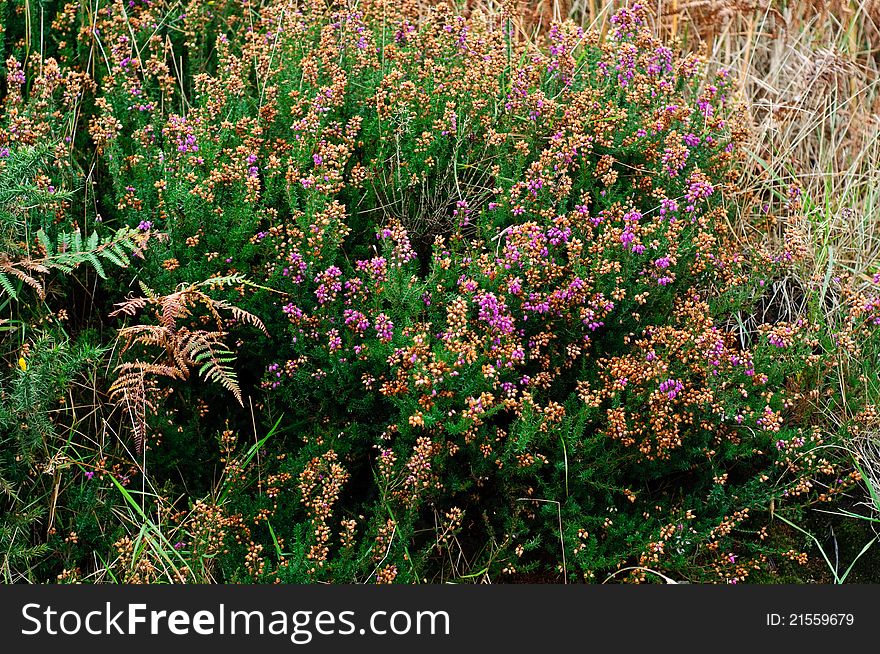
{"type": "Point", "coordinates": [22, 363]}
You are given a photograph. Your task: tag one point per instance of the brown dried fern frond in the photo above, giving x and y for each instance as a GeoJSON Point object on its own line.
{"type": "Point", "coordinates": [178, 348]}
{"type": "Point", "coordinates": [136, 392]}
{"type": "Point", "coordinates": [17, 270]}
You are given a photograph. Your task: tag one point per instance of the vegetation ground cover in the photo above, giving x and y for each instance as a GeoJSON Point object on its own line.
{"type": "Point", "coordinates": [384, 292]}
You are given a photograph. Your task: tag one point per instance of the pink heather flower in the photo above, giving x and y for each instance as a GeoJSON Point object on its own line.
{"type": "Point", "coordinates": [514, 287]}
{"type": "Point", "coordinates": [376, 268]}
{"type": "Point", "coordinates": [668, 206]}
{"type": "Point", "coordinates": [384, 328]}
{"type": "Point", "coordinates": [356, 320]}
{"type": "Point", "coordinates": [186, 140]}
{"type": "Point", "coordinates": [699, 188]}
{"type": "Point", "coordinates": [329, 284]}
{"type": "Point", "coordinates": [469, 285]}
{"type": "Point", "coordinates": [293, 312]}
{"type": "Point", "coordinates": [494, 313]}
{"type": "Point", "coordinates": [462, 212]}
{"type": "Point", "coordinates": [672, 387]}
{"type": "Point", "coordinates": [557, 236]}
{"type": "Point", "coordinates": [296, 270]}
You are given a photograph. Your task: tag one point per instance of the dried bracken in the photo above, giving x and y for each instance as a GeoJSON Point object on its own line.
{"type": "Point", "coordinates": [181, 348]}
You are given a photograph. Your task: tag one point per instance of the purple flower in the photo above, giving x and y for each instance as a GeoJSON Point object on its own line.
{"type": "Point", "coordinates": [494, 313]}
{"type": "Point", "coordinates": [384, 328]}
{"type": "Point", "coordinates": [329, 284]}
{"type": "Point", "coordinates": [672, 387]}
{"type": "Point", "coordinates": [515, 286]}
{"type": "Point", "coordinates": [356, 320]}
{"type": "Point", "coordinates": [377, 268]}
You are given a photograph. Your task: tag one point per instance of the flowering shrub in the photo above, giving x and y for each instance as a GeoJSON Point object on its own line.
{"type": "Point", "coordinates": [498, 282]}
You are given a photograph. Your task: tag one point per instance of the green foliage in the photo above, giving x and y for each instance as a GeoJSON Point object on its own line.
{"type": "Point", "coordinates": [502, 329]}
{"type": "Point", "coordinates": [24, 261]}
{"type": "Point", "coordinates": [34, 452]}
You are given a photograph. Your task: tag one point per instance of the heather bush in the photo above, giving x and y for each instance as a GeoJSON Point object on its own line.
{"type": "Point", "coordinates": [477, 301]}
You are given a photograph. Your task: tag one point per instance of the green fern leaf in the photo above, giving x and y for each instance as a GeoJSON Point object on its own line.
{"type": "Point", "coordinates": [6, 285]}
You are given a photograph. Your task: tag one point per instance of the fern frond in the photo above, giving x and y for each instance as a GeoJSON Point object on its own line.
{"type": "Point", "coordinates": [145, 335]}
{"type": "Point", "coordinates": [149, 292]}
{"type": "Point", "coordinates": [173, 307]}
{"type": "Point", "coordinates": [7, 287]}
{"type": "Point", "coordinates": [33, 266]}
{"type": "Point", "coordinates": [182, 348]}
{"type": "Point", "coordinates": [143, 368]}
{"type": "Point", "coordinates": [226, 280]}
{"type": "Point", "coordinates": [66, 255]}
{"type": "Point", "coordinates": [215, 366]}
{"type": "Point", "coordinates": [27, 279]}
{"type": "Point", "coordinates": [129, 307]}
{"type": "Point", "coordinates": [243, 316]}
